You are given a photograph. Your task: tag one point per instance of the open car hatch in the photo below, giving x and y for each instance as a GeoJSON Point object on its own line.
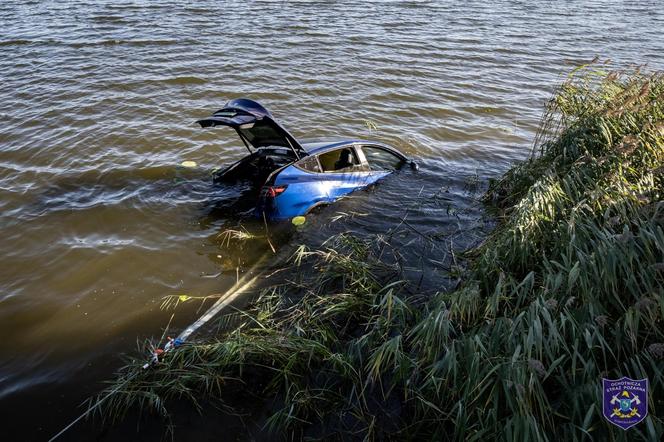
{"type": "Point", "coordinates": [255, 126]}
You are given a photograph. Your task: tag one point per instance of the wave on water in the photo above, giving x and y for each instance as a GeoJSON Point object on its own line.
{"type": "Point", "coordinates": [180, 80]}
{"type": "Point", "coordinates": [92, 43]}
{"type": "Point", "coordinates": [115, 19]}
{"type": "Point", "coordinates": [120, 41]}
{"type": "Point", "coordinates": [15, 42]}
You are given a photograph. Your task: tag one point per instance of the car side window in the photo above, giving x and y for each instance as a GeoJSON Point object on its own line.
{"type": "Point", "coordinates": [381, 159]}
{"type": "Point", "coordinates": [310, 164]}
{"type": "Point", "coordinates": [340, 160]}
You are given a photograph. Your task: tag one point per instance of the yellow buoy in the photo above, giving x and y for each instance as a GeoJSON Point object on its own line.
{"type": "Point", "coordinates": [298, 220]}
{"type": "Point", "coordinates": [189, 164]}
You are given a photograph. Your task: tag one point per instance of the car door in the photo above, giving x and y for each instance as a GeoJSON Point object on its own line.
{"type": "Point", "coordinates": [344, 171]}
{"type": "Point", "coordinates": [381, 159]}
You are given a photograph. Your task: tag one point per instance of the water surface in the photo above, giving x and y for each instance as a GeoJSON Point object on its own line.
{"type": "Point", "coordinates": [97, 110]}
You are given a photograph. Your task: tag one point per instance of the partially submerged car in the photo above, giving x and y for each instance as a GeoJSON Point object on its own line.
{"type": "Point", "coordinates": [293, 177]}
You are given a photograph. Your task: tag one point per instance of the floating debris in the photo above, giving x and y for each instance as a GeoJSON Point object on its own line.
{"type": "Point", "coordinates": [298, 220]}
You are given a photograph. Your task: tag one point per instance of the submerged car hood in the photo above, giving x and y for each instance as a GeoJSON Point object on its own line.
{"type": "Point", "coordinates": [254, 124]}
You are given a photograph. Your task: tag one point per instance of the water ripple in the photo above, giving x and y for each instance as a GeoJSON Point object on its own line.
{"type": "Point", "coordinates": [97, 110]}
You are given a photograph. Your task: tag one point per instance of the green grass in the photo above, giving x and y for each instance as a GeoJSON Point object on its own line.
{"type": "Point", "coordinates": [567, 289]}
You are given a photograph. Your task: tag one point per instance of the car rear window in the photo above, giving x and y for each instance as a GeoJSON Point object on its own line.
{"type": "Point", "coordinates": [262, 134]}
{"type": "Point", "coordinates": [309, 164]}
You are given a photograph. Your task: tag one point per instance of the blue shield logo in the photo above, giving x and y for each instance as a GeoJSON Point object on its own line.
{"type": "Point", "coordinates": [625, 401]}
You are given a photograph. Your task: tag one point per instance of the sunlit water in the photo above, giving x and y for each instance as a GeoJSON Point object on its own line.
{"type": "Point", "coordinates": [97, 111]}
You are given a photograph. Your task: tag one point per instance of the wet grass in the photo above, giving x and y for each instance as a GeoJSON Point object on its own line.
{"type": "Point", "coordinates": [567, 289]}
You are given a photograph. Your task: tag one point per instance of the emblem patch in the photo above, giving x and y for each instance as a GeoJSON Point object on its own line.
{"type": "Point", "coordinates": [625, 401]}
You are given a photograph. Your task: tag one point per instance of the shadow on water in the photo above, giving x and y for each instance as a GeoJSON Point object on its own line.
{"type": "Point", "coordinates": [164, 185]}
{"type": "Point", "coordinates": [223, 212]}
{"type": "Point", "coordinates": [240, 239]}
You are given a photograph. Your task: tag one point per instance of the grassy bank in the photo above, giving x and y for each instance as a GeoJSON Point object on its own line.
{"type": "Point", "coordinates": [568, 289]}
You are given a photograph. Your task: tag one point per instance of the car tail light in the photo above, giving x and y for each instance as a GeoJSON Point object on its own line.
{"type": "Point", "coordinates": [274, 191]}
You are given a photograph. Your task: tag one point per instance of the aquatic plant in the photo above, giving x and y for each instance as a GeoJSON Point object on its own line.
{"type": "Point", "coordinates": [567, 289]}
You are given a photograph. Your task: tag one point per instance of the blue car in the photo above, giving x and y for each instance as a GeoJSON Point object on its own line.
{"type": "Point", "coordinates": [291, 177]}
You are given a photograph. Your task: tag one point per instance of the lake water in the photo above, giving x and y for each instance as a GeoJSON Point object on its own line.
{"type": "Point", "coordinates": [97, 110]}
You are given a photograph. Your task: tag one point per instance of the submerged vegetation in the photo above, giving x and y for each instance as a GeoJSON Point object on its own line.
{"type": "Point", "coordinates": [567, 289]}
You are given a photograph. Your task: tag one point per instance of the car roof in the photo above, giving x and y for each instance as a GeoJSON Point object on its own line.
{"type": "Point", "coordinates": [317, 145]}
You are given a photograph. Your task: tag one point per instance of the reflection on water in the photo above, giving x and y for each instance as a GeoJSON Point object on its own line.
{"type": "Point", "coordinates": [98, 103]}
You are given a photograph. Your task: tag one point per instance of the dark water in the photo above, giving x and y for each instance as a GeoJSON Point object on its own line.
{"type": "Point", "coordinates": [97, 104]}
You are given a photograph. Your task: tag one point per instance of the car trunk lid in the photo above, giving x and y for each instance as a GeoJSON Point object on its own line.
{"type": "Point", "coordinates": [255, 125]}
